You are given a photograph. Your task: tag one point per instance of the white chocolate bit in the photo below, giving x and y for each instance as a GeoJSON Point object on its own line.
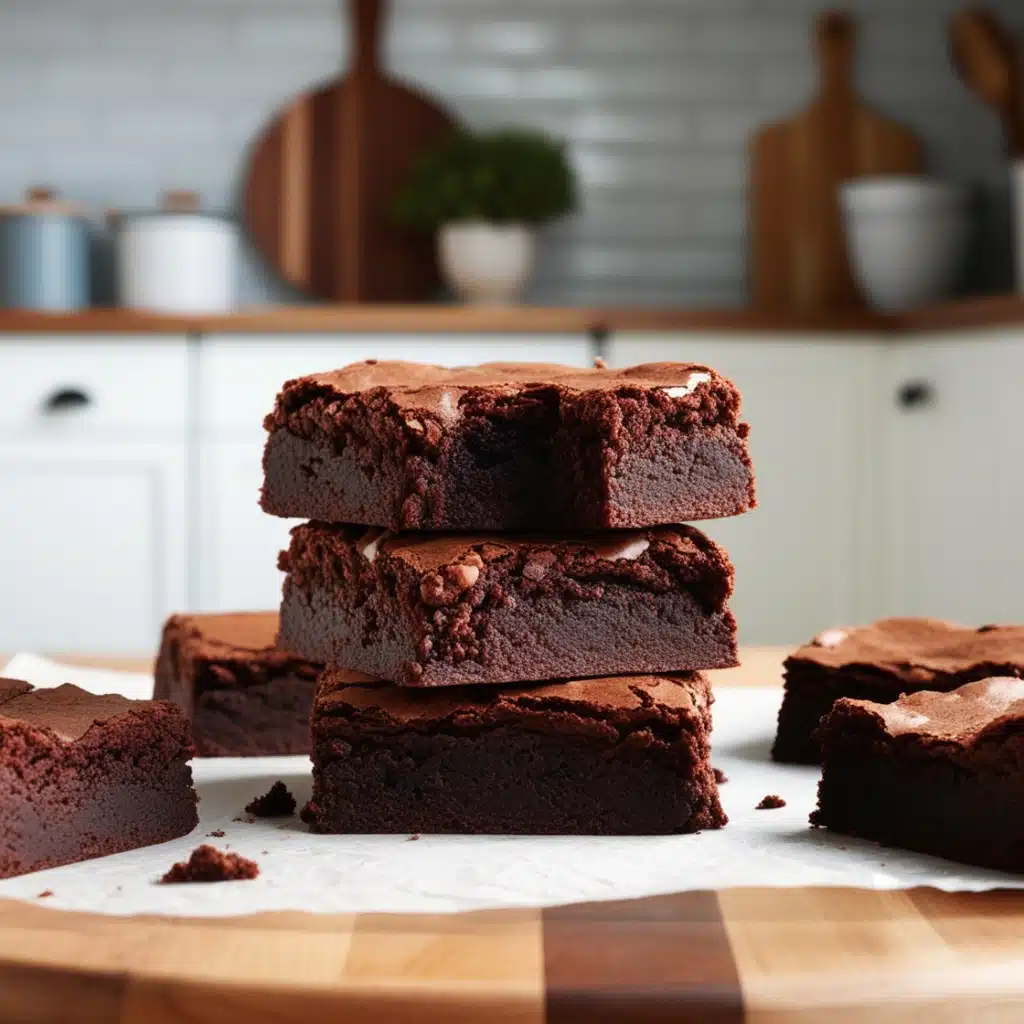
{"type": "Point", "coordinates": [1005, 690]}
{"type": "Point", "coordinates": [447, 408]}
{"type": "Point", "coordinates": [830, 638]}
{"type": "Point", "coordinates": [372, 540]}
{"type": "Point", "coordinates": [901, 720]}
{"type": "Point", "coordinates": [626, 550]}
{"type": "Point", "coordinates": [415, 426]}
{"type": "Point", "coordinates": [464, 576]}
{"type": "Point", "coordinates": [691, 385]}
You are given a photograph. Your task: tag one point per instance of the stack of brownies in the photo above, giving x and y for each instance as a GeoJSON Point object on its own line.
{"type": "Point", "coordinates": [514, 627]}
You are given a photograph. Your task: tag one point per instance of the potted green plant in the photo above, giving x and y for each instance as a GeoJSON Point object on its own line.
{"type": "Point", "coordinates": [485, 195]}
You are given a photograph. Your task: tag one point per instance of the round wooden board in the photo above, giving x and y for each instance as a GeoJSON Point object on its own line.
{"type": "Point", "coordinates": [756, 954]}
{"type": "Point", "coordinates": [738, 955]}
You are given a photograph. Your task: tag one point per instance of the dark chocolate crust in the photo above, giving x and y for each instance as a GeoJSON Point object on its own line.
{"type": "Point", "coordinates": [507, 447]}
{"type": "Point", "coordinates": [625, 756]}
{"type": "Point", "coordinates": [84, 776]}
{"type": "Point", "coordinates": [245, 698]}
{"type": "Point", "coordinates": [443, 610]}
{"type": "Point", "coordinates": [881, 661]}
{"type": "Point", "coordinates": [939, 773]}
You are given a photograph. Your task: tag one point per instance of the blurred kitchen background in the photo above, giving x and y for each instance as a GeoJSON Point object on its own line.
{"type": "Point", "coordinates": [877, 334]}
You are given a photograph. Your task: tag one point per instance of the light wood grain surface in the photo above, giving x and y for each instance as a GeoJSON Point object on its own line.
{"type": "Point", "coordinates": [784, 956]}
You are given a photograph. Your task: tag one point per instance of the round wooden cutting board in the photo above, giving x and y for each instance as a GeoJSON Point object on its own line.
{"type": "Point", "coordinates": [799, 955]}
{"type": "Point", "coordinates": [322, 178]}
{"type": "Point", "coordinates": [785, 956]}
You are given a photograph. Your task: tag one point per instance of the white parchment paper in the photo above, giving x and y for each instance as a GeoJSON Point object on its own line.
{"type": "Point", "coordinates": [337, 874]}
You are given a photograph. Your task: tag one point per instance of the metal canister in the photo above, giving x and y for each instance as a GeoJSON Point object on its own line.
{"type": "Point", "coordinates": [44, 254]}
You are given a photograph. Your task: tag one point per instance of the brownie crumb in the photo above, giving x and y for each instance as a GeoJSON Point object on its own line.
{"type": "Point", "coordinates": [246, 819]}
{"type": "Point", "coordinates": [216, 834]}
{"type": "Point", "coordinates": [720, 776]}
{"type": "Point", "coordinates": [599, 363]}
{"type": "Point", "coordinates": [45, 894]}
{"type": "Point", "coordinates": [412, 839]}
{"type": "Point", "coordinates": [771, 802]}
{"type": "Point", "coordinates": [277, 802]}
{"type": "Point", "coordinates": [208, 864]}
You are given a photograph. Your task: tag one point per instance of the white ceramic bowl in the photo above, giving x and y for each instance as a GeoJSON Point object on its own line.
{"type": "Point", "coordinates": [907, 238]}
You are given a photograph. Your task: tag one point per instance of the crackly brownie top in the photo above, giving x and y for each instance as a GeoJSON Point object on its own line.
{"type": "Point", "coordinates": [916, 649]}
{"type": "Point", "coordinates": [961, 716]}
{"type": "Point", "coordinates": [450, 566]}
{"type": "Point", "coordinates": [686, 693]}
{"type": "Point", "coordinates": [65, 710]}
{"type": "Point", "coordinates": [229, 635]}
{"type": "Point", "coordinates": [428, 552]}
{"type": "Point", "coordinates": [440, 391]}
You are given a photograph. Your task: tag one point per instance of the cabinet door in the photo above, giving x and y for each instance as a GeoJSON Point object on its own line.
{"type": "Point", "coordinates": [92, 544]}
{"type": "Point", "coordinates": [238, 542]}
{"type": "Point", "coordinates": [954, 471]}
{"type": "Point", "coordinates": [802, 556]}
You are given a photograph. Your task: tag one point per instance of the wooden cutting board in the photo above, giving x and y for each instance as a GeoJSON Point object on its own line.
{"type": "Point", "coordinates": [798, 258]}
{"type": "Point", "coordinates": [318, 191]}
{"type": "Point", "coordinates": [786, 956]}
{"type": "Point", "coordinates": [789, 956]}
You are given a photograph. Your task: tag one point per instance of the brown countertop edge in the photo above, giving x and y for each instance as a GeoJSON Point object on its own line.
{"type": "Point", "coordinates": [984, 312]}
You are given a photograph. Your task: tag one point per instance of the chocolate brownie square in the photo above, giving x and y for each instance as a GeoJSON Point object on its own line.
{"type": "Point", "coordinates": [881, 661]}
{"type": "Point", "coordinates": [245, 698]}
{"type": "Point", "coordinates": [84, 776]}
{"type": "Point", "coordinates": [940, 773]}
{"type": "Point", "coordinates": [624, 756]}
{"type": "Point", "coordinates": [507, 446]}
{"type": "Point", "coordinates": [448, 609]}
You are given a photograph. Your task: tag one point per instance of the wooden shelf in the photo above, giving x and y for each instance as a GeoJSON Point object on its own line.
{"type": "Point", "coordinates": [436, 319]}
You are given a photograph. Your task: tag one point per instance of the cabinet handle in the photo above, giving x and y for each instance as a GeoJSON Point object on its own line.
{"type": "Point", "coordinates": [915, 394]}
{"type": "Point", "coordinates": [66, 400]}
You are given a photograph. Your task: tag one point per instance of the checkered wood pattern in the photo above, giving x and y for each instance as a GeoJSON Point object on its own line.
{"type": "Point", "coordinates": [752, 955]}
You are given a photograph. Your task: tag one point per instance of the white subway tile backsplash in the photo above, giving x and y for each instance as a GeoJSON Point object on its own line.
{"type": "Point", "coordinates": [113, 100]}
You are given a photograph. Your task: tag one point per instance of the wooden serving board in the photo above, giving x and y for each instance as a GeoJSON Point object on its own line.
{"type": "Point", "coordinates": [785, 956]}
{"type": "Point", "coordinates": [323, 175]}
{"type": "Point", "coordinates": [799, 258]}
{"type": "Point", "coordinates": [801, 955]}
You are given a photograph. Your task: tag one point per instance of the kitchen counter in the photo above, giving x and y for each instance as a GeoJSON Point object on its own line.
{"type": "Point", "coordinates": [988, 311]}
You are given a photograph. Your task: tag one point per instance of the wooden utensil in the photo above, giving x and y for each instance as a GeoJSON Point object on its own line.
{"type": "Point", "coordinates": [322, 178]}
{"type": "Point", "coordinates": [985, 56]}
{"type": "Point", "coordinates": [799, 257]}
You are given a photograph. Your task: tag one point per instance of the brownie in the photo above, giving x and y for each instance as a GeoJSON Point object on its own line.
{"type": "Point", "coordinates": [84, 776]}
{"type": "Point", "coordinates": [619, 756]}
{"type": "Point", "coordinates": [940, 773]}
{"type": "Point", "coordinates": [446, 609]}
{"type": "Point", "coordinates": [208, 864]}
{"type": "Point", "coordinates": [245, 697]}
{"type": "Point", "coordinates": [881, 661]}
{"type": "Point", "coordinates": [506, 446]}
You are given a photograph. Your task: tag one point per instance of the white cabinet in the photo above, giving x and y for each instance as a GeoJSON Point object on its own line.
{"type": "Point", "coordinates": [92, 543]}
{"type": "Point", "coordinates": [953, 466]}
{"type": "Point", "coordinates": [93, 492]}
{"type": "Point", "coordinates": [802, 557]}
{"type": "Point", "coordinates": [238, 543]}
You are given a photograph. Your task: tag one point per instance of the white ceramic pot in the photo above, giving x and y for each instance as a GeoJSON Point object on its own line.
{"type": "Point", "coordinates": [1018, 200]}
{"type": "Point", "coordinates": [907, 238]}
{"type": "Point", "coordinates": [177, 261]}
{"type": "Point", "coordinates": [487, 263]}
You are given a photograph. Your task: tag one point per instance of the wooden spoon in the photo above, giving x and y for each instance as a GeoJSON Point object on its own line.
{"type": "Point", "coordinates": [985, 57]}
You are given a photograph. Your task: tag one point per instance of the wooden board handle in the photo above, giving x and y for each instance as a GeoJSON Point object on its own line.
{"type": "Point", "coordinates": [835, 34]}
{"type": "Point", "coordinates": [366, 18]}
